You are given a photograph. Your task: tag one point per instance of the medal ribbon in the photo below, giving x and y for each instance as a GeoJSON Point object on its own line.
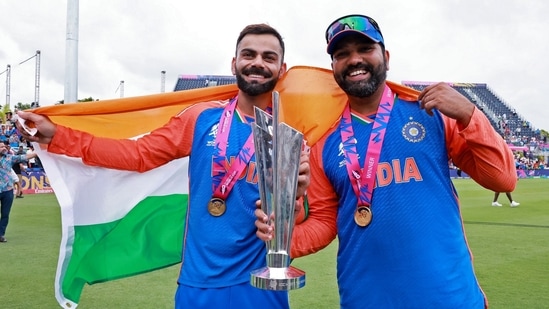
{"type": "Point", "coordinates": [363, 179]}
{"type": "Point", "coordinates": [223, 180]}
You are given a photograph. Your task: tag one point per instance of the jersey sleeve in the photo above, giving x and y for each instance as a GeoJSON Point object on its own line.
{"type": "Point", "coordinates": [319, 228]}
{"type": "Point", "coordinates": [169, 142]}
{"type": "Point", "coordinates": [481, 152]}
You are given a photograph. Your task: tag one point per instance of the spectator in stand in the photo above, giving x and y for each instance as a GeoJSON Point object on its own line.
{"type": "Point", "coordinates": [11, 130]}
{"type": "Point", "coordinates": [512, 203]}
{"type": "Point", "coordinates": [9, 116]}
{"type": "Point", "coordinates": [13, 174]}
{"type": "Point", "coordinates": [3, 136]}
{"type": "Point", "coordinates": [7, 159]}
{"type": "Point", "coordinates": [37, 162]}
{"type": "Point", "coordinates": [17, 168]}
{"type": "Point", "coordinates": [32, 161]}
{"type": "Point", "coordinates": [14, 140]}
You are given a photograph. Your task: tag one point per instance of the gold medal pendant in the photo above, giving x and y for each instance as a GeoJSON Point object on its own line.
{"type": "Point", "coordinates": [363, 216]}
{"type": "Point", "coordinates": [216, 207]}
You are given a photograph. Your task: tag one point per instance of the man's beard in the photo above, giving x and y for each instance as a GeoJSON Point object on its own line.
{"type": "Point", "coordinates": [254, 88]}
{"type": "Point", "coordinates": [363, 88]}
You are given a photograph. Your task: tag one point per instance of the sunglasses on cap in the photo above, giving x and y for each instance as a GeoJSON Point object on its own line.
{"type": "Point", "coordinates": [362, 24]}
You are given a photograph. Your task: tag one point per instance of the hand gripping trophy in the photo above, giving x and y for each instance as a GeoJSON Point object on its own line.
{"type": "Point", "coordinates": [278, 149]}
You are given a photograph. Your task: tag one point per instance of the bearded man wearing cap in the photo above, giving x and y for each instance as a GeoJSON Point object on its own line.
{"type": "Point", "coordinates": [380, 181]}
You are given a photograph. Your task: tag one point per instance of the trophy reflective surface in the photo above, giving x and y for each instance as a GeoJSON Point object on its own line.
{"type": "Point", "coordinates": [278, 150]}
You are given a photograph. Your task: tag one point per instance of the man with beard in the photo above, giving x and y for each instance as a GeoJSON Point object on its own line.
{"type": "Point", "coordinates": [220, 249]}
{"type": "Point", "coordinates": [380, 180]}
{"type": "Point", "coordinates": [7, 159]}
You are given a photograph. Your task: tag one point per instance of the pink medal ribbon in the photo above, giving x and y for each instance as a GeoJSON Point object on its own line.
{"type": "Point", "coordinates": [223, 180]}
{"type": "Point", "coordinates": [363, 179]}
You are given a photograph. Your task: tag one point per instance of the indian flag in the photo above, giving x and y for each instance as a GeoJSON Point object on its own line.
{"type": "Point", "coordinates": [108, 217]}
{"type": "Point", "coordinates": [117, 223]}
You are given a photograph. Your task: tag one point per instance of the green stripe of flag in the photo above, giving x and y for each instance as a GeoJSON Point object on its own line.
{"type": "Point", "coordinates": [101, 252]}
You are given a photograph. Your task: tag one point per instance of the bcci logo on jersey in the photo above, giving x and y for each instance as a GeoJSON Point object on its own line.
{"type": "Point", "coordinates": [413, 132]}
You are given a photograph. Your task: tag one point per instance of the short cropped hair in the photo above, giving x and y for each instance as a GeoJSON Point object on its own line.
{"type": "Point", "coordinates": [261, 29]}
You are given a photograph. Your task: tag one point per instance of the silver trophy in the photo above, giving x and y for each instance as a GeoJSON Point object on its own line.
{"type": "Point", "coordinates": [277, 150]}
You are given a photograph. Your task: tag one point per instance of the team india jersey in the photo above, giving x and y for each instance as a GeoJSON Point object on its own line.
{"type": "Point", "coordinates": [218, 251]}
{"type": "Point", "coordinates": [414, 253]}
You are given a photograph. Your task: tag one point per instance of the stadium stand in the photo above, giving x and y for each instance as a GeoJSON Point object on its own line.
{"type": "Point", "coordinates": [185, 82]}
{"type": "Point", "coordinates": [501, 115]}
{"type": "Point", "coordinates": [526, 141]}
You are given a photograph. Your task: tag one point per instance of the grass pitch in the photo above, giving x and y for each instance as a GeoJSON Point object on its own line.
{"type": "Point", "coordinates": [510, 248]}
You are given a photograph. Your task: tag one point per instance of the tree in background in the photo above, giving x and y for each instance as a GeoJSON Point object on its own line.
{"type": "Point", "coordinates": [90, 99]}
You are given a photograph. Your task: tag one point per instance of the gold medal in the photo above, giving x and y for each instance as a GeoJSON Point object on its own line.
{"type": "Point", "coordinates": [216, 207]}
{"type": "Point", "coordinates": [363, 216]}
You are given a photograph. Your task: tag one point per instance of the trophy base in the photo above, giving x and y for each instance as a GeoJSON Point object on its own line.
{"type": "Point", "coordinates": [278, 279]}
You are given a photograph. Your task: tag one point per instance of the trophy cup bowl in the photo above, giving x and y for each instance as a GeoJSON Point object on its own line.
{"type": "Point", "coordinates": [278, 150]}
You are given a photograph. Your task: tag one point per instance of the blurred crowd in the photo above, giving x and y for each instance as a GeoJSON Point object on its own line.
{"type": "Point", "coordinates": [15, 142]}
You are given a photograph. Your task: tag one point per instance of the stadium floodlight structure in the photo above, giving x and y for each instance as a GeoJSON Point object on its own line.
{"type": "Point", "coordinates": [8, 84]}
{"type": "Point", "coordinates": [162, 81]}
{"type": "Point", "coordinates": [36, 78]}
{"type": "Point", "coordinates": [71, 52]}
{"type": "Point", "coordinates": [121, 88]}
